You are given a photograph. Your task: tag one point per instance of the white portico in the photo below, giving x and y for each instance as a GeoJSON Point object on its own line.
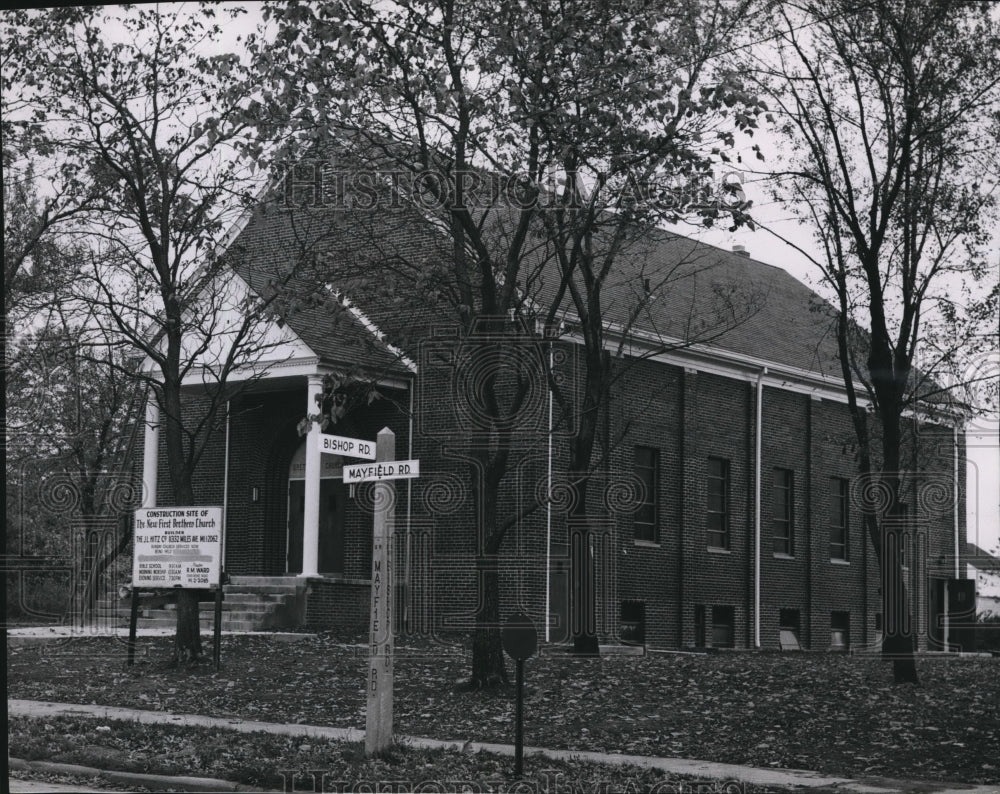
{"type": "Point", "coordinates": [292, 521]}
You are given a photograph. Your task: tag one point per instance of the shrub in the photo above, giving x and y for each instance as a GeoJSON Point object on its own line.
{"type": "Point", "coordinates": [988, 633]}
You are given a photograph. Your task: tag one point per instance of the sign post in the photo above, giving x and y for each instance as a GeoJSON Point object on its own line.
{"type": "Point", "coordinates": [217, 628]}
{"type": "Point", "coordinates": [520, 640]}
{"type": "Point", "coordinates": [378, 722]}
{"type": "Point", "coordinates": [133, 619]}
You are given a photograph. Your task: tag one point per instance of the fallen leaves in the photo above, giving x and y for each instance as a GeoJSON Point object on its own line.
{"type": "Point", "coordinates": [831, 713]}
{"type": "Point", "coordinates": [288, 763]}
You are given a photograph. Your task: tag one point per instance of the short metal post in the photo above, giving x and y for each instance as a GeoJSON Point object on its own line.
{"type": "Point", "coordinates": [133, 620]}
{"type": "Point", "coordinates": [217, 640]}
{"type": "Point", "coordinates": [519, 721]}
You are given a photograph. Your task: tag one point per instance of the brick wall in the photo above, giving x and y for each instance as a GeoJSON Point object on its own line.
{"type": "Point", "coordinates": [702, 415]}
{"type": "Point", "coordinates": [338, 605]}
{"type": "Point", "coordinates": [687, 417]}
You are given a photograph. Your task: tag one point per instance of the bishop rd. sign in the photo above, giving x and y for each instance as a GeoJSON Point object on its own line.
{"type": "Point", "coordinates": [384, 470]}
{"type": "Point", "coordinates": [348, 447]}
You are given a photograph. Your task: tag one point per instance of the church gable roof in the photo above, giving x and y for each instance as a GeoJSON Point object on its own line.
{"type": "Point", "coordinates": [385, 262]}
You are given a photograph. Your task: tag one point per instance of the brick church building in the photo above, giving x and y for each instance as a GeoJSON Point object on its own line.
{"type": "Point", "coordinates": [726, 508]}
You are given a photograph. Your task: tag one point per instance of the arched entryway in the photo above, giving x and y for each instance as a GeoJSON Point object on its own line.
{"type": "Point", "coordinates": [332, 502]}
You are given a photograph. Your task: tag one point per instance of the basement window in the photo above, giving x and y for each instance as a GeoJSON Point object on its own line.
{"type": "Point", "coordinates": [632, 630]}
{"type": "Point", "coordinates": [722, 626]}
{"type": "Point", "coordinates": [840, 631]}
{"type": "Point", "coordinates": [788, 630]}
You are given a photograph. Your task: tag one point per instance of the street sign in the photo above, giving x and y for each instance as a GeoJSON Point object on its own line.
{"type": "Point", "coordinates": [349, 447]}
{"type": "Point", "coordinates": [384, 470]}
{"type": "Point", "coordinates": [520, 639]}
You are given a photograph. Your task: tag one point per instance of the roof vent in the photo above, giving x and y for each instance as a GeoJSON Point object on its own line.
{"type": "Point", "coordinates": [741, 250]}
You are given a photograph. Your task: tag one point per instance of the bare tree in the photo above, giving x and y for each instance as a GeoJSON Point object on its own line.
{"type": "Point", "coordinates": [139, 103]}
{"type": "Point", "coordinates": [510, 123]}
{"type": "Point", "coordinates": [890, 110]}
{"type": "Point", "coordinates": [85, 411]}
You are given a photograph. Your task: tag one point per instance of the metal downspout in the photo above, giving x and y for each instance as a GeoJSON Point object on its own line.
{"type": "Point", "coordinates": [409, 500]}
{"type": "Point", "coordinates": [548, 516]}
{"type": "Point", "coordinates": [225, 496]}
{"type": "Point", "coordinates": [955, 531]}
{"type": "Point", "coordinates": [756, 508]}
{"type": "Point", "coordinates": [955, 499]}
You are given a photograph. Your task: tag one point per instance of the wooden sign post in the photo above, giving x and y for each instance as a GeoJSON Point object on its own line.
{"type": "Point", "coordinates": [378, 724]}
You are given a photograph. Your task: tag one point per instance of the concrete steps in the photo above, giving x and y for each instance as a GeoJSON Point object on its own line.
{"type": "Point", "coordinates": [250, 603]}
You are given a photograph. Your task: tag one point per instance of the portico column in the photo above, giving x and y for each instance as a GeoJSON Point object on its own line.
{"type": "Point", "coordinates": [310, 518]}
{"type": "Point", "coordinates": [150, 451]}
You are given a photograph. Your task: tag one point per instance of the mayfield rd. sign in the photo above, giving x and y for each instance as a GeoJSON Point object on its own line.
{"type": "Point", "coordinates": [384, 470]}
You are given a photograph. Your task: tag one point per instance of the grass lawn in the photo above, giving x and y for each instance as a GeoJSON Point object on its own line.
{"type": "Point", "coordinates": [831, 713]}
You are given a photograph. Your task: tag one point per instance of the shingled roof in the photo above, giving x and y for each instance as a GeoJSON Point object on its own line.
{"type": "Point", "coordinates": [981, 559]}
{"type": "Point", "coordinates": [700, 294]}
{"type": "Point", "coordinates": [318, 260]}
{"type": "Point", "coordinates": [371, 257]}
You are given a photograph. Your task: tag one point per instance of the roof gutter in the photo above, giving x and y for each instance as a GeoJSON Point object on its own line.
{"type": "Point", "coordinates": [729, 364]}
{"type": "Point", "coordinates": [710, 357]}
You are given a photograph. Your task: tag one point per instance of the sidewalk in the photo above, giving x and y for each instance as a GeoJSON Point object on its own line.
{"type": "Point", "coordinates": [103, 781]}
{"type": "Point", "coordinates": [785, 778]}
{"type": "Point", "coordinates": [29, 635]}
{"type": "Point", "coordinates": [18, 786]}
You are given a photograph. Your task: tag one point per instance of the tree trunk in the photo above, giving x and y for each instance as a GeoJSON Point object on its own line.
{"type": "Point", "coordinates": [897, 624]}
{"type": "Point", "coordinates": [488, 668]}
{"type": "Point", "coordinates": [583, 617]}
{"type": "Point", "coordinates": [187, 641]}
{"type": "Point", "coordinates": [899, 637]}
